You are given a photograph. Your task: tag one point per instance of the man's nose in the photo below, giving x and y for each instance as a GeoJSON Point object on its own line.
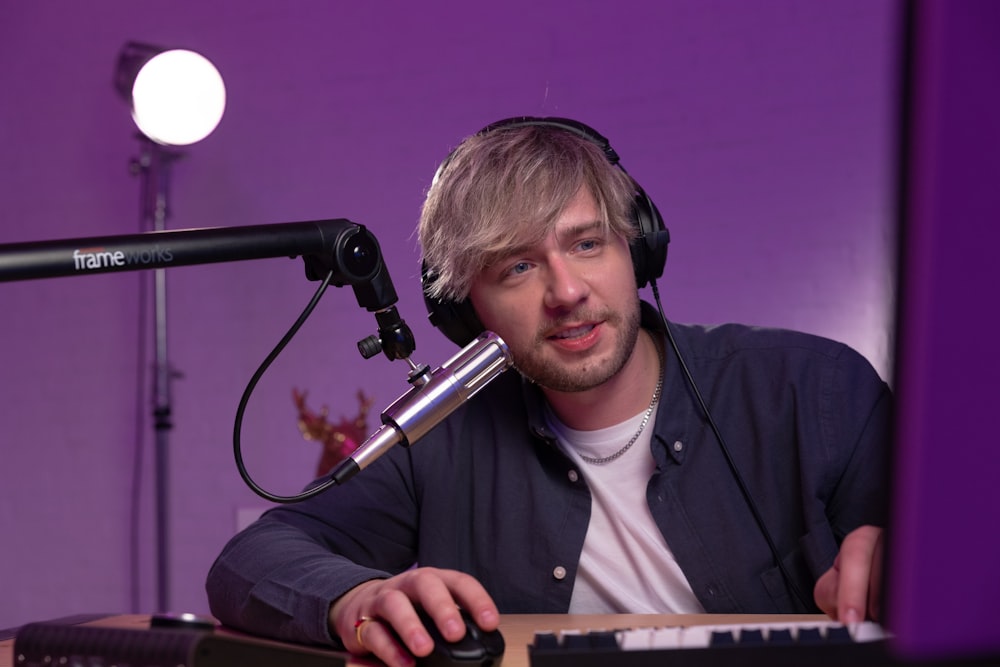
{"type": "Point", "coordinates": [566, 285]}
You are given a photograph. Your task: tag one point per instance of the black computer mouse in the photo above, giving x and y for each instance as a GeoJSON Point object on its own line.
{"type": "Point", "coordinates": [477, 648]}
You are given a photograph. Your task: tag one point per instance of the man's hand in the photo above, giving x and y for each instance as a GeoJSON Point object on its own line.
{"type": "Point", "coordinates": [389, 606]}
{"type": "Point", "coordinates": [849, 591]}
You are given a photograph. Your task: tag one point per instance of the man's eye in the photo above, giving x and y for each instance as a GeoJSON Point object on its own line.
{"type": "Point", "coordinates": [589, 244]}
{"type": "Point", "coordinates": [519, 267]}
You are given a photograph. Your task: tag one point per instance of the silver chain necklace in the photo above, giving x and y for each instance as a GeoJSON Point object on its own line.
{"type": "Point", "coordinates": [645, 419]}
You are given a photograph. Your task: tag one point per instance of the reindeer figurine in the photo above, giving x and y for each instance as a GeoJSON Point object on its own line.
{"type": "Point", "coordinates": [339, 440]}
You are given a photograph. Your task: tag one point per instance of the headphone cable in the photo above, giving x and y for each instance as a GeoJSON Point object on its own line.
{"type": "Point", "coordinates": [740, 482]}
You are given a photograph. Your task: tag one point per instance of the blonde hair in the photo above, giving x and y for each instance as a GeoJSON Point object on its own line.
{"type": "Point", "coordinates": [504, 189]}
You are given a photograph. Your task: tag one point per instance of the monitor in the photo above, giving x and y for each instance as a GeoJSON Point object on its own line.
{"type": "Point", "coordinates": [942, 594]}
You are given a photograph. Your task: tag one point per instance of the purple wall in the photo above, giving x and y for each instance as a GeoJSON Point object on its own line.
{"type": "Point", "coordinates": [764, 131]}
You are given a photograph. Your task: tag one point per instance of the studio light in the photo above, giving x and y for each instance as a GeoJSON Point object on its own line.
{"type": "Point", "coordinates": [177, 96]}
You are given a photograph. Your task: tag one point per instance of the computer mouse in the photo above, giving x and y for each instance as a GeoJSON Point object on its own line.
{"type": "Point", "coordinates": [477, 647]}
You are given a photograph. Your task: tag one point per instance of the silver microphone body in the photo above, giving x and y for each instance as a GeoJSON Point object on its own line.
{"type": "Point", "coordinates": [434, 397]}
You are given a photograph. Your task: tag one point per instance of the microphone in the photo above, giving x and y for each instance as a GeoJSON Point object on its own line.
{"type": "Point", "coordinates": [433, 397]}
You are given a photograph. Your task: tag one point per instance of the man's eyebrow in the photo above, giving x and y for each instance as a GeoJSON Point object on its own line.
{"type": "Point", "coordinates": [512, 251]}
{"type": "Point", "coordinates": [582, 228]}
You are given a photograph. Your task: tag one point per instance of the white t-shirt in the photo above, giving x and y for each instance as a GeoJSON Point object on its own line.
{"type": "Point", "coordinates": [626, 565]}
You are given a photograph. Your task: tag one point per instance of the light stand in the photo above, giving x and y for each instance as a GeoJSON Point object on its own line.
{"type": "Point", "coordinates": [153, 167]}
{"type": "Point", "coordinates": [177, 98]}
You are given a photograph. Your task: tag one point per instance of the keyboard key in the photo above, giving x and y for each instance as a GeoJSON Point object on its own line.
{"type": "Point", "coordinates": [868, 632]}
{"type": "Point", "coordinates": [780, 636]}
{"type": "Point", "coordinates": [696, 636]}
{"type": "Point", "coordinates": [576, 640]}
{"type": "Point", "coordinates": [546, 640]}
{"type": "Point", "coordinates": [721, 638]}
{"type": "Point", "coordinates": [838, 634]}
{"type": "Point", "coordinates": [666, 638]}
{"type": "Point", "coordinates": [603, 639]}
{"type": "Point", "coordinates": [638, 639]}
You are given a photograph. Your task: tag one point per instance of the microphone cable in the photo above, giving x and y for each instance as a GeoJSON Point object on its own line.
{"type": "Point", "coordinates": [730, 462]}
{"type": "Point", "coordinates": [237, 449]}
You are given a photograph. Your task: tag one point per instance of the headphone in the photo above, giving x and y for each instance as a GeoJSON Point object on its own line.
{"type": "Point", "coordinates": [458, 320]}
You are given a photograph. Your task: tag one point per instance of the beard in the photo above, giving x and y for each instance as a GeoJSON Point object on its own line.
{"type": "Point", "coordinates": [587, 373]}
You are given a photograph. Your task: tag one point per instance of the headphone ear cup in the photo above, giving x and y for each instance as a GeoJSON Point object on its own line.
{"type": "Point", "coordinates": [649, 248]}
{"type": "Point", "coordinates": [457, 320]}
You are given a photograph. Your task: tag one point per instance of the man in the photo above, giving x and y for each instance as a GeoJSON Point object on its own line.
{"type": "Point", "coordinates": [600, 477]}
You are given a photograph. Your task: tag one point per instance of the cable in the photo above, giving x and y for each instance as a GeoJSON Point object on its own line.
{"type": "Point", "coordinates": [249, 390]}
{"type": "Point", "coordinates": [740, 482]}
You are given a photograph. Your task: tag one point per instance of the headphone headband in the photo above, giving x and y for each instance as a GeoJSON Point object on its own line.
{"type": "Point", "coordinates": [566, 124]}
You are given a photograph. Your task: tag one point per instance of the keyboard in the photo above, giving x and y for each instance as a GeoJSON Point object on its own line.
{"type": "Point", "coordinates": [58, 645]}
{"type": "Point", "coordinates": [812, 643]}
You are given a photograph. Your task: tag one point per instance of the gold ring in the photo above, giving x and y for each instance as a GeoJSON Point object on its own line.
{"type": "Point", "coordinates": [359, 625]}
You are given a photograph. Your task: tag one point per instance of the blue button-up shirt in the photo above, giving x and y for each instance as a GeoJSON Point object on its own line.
{"type": "Point", "coordinates": [805, 421]}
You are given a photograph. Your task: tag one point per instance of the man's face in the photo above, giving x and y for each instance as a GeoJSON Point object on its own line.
{"type": "Point", "coordinates": [567, 308]}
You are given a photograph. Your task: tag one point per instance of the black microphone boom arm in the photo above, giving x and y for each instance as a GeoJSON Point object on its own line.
{"type": "Point", "coordinates": [348, 250]}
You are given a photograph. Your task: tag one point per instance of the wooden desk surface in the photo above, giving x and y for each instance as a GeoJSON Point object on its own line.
{"type": "Point", "coordinates": [518, 629]}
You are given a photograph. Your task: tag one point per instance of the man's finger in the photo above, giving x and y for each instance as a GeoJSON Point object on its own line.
{"type": "Point", "coordinates": [857, 554]}
{"type": "Point", "coordinates": [825, 592]}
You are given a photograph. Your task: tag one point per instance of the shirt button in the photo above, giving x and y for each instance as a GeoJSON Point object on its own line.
{"type": "Point", "coordinates": [573, 476]}
{"type": "Point", "coordinates": [678, 445]}
{"type": "Point", "coordinates": [559, 572]}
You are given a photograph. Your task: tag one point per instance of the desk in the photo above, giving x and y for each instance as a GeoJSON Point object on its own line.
{"type": "Point", "coordinates": [518, 629]}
